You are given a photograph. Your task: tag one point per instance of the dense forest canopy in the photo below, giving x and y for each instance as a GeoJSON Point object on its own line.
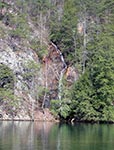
{"type": "Point", "coordinates": [85, 36]}
{"type": "Point", "coordinates": [84, 32]}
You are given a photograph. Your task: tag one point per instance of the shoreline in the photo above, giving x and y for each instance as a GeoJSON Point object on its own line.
{"type": "Point", "coordinates": [57, 121]}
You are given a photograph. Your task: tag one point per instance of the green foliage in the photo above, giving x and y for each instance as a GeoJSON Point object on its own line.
{"type": "Point", "coordinates": [6, 77]}
{"type": "Point", "coordinates": [31, 69]}
{"type": "Point", "coordinates": [3, 4]}
{"type": "Point", "coordinates": [21, 27]}
{"type": "Point", "coordinates": [63, 32]}
{"type": "Point", "coordinates": [91, 98]}
{"type": "Point", "coordinates": [81, 96]}
{"type": "Point", "coordinates": [40, 50]}
{"type": "Point", "coordinates": [93, 94]}
{"type": "Point", "coordinates": [7, 86]}
{"type": "Point", "coordinates": [6, 94]}
{"type": "Point", "coordinates": [61, 107]}
{"type": "Point", "coordinates": [62, 110]}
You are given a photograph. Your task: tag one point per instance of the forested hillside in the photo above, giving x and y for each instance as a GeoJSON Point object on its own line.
{"type": "Point", "coordinates": [70, 44]}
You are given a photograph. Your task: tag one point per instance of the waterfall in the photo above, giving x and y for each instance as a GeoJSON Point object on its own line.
{"type": "Point", "coordinates": [62, 71]}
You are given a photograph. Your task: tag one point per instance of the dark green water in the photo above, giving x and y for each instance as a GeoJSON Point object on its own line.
{"type": "Point", "coordinates": [49, 136]}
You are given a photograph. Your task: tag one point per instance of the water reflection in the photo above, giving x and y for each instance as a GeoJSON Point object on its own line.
{"type": "Point", "coordinates": [50, 136]}
{"type": "Point", "coordinates": [24, 135]}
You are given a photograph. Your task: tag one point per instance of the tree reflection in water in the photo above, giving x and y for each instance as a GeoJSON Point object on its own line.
{"type": "Point", "coordinates": [24, 135]}
{"type": "Point", "coordinates": [50, 136]}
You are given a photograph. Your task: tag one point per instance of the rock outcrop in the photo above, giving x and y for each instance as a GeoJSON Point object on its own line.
{"type": "Point", "coordinates": [16, 60]}
{"type": "Point", "coordinates": [28, 80]}
{"type": "Point", "coordinates": [26, 86]}
{"type": "Point", "coordinates": [35, 81]}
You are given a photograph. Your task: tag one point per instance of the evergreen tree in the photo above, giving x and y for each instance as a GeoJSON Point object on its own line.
{"type": "Point", "coordinates": [92, 96]}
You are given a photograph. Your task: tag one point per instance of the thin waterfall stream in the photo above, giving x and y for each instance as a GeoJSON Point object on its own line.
{"type": "Point", "coordinates": [62, 71]}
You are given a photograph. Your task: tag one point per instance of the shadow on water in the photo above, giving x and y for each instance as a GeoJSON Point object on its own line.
{"type": "Point", "coordinates": [51, 136]}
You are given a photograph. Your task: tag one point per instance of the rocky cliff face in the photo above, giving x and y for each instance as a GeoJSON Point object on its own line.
{"type": "Point", "coordinates": [16, 60]}
{"type": "Point", "coordinates": [36, 80]}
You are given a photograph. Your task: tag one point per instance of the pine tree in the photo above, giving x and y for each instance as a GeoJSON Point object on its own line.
{"type": "Point", "coordinates": [92, 96]}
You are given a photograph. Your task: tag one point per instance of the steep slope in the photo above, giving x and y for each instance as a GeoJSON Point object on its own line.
{"type": "Point", "coordinates": [37, 66]}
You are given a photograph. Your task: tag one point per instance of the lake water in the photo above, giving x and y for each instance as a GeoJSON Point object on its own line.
{"type": "Point", "coordinates": [50, 136]}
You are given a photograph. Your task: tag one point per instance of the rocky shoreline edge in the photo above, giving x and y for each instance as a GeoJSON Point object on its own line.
{"type": "Point", "coordinates": [39, 115]}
